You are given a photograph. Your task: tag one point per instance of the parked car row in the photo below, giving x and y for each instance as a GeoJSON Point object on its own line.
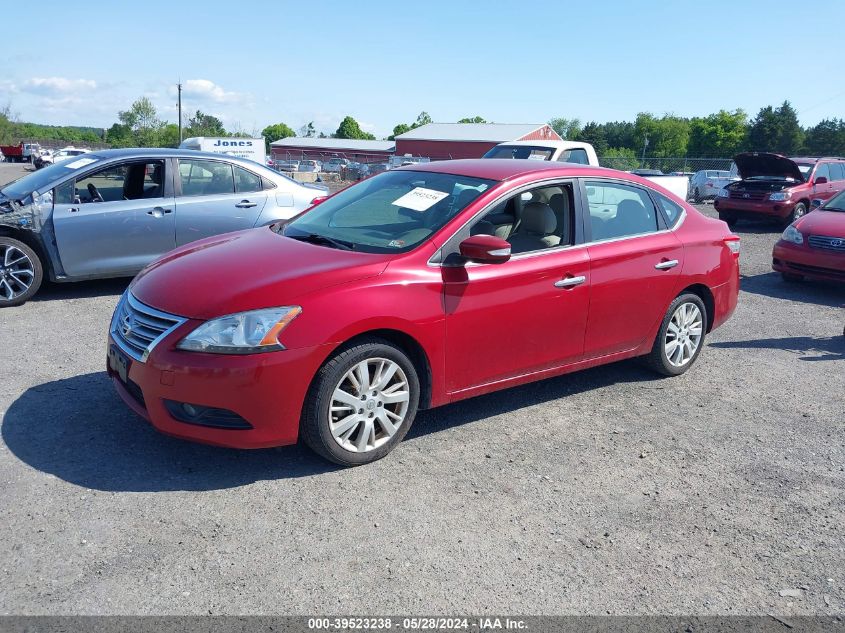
{"type": "Point", "coordinates": [47, 157]}
{"type": "Point", "coordinates": [384, 298]}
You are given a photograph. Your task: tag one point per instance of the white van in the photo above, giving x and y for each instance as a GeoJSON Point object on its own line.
{"type": "Point", "coordinates": [249, 148]}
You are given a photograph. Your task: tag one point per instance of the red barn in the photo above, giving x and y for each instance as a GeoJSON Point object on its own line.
{"type": "Point", "coordinates": [299, 148]}
{"type": "Point", "coordinates": [441, 141]}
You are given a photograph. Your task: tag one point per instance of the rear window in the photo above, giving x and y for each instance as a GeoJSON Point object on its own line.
{"type": "Point", "coordinates": [520, 151]}
{"type": "Point", "coordinates": [672, 210]}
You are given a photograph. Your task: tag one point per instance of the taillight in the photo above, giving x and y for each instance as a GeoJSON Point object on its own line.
{"type": "Point", "coordinates": [732, 242]}
{"type": "Point", "coordinates": [318, 200]}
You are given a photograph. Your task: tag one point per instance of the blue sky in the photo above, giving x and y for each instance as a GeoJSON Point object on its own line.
{"type": "Point", "coordinates": [255, 63]}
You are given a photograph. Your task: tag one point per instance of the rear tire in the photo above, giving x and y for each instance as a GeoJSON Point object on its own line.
{"type": "Point", "coordinates": [352, 423]}
{"type": "Point", "coordinates": [21, 272]}
{"type": "Point", "coordinates": [680, 337]}
{"type": "Point", "coordinates": [728, 218]}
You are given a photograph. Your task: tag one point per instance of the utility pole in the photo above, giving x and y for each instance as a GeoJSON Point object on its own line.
{"type": "Point", "coordinates": [179, 108]}
{"type": "Point", "coordinates": [645, 144]}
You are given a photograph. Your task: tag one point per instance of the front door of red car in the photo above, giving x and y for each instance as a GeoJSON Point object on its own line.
{"type": "Point", "coordinates": [526, 314]}
{"type": "Point", "coordinates": [826, 189]}
{"type": "Point", "coordinates": [634, 267]}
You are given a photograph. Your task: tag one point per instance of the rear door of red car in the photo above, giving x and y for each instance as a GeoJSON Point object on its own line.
{"type": "Point", "coordinates": [635, 264]}
{"type": "Point", "coordinates": [824, 191]}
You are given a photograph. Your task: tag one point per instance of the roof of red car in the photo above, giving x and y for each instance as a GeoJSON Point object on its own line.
{"type": "Point", "coordinates": [507, 168]}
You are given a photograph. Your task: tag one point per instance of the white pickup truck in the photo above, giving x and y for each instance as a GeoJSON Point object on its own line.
{"type": "Point", "coordinates": [576, 152]}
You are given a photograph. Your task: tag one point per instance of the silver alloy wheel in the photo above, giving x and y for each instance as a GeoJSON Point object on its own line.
{"type": "Point", "coordinates": [368, 405]}
{"type": "Point", "coordinates": [683, 335]}
{"type": "Point", "coordinates": [17, 272]}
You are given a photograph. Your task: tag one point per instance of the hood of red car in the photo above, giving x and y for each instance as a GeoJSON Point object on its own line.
{"type": "Point", "coordinates": [750, 164]}
{"type": "Point", "coordinates": [820, 222]}
{"type": "Point", "coordinates": [248, 270]}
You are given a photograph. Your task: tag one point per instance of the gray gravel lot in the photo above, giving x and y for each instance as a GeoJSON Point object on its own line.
{"type": "Point", "coordinates": [606, 491]}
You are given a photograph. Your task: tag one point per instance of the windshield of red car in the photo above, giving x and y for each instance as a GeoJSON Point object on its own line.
{"type": "Point", "coordinates": [389, 213]}
{"type": "Point", "coordinates": [836, 203]}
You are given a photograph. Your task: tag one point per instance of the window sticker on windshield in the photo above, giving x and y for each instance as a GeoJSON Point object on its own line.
{"type": "Point", "coordinates": [537, 157]}
{"type": "Point", "coordinates": [81, 163]}
{"type": "Point", "coordinates": [396, 243]}
{"type": "Point", "coordinates": [420, 199]}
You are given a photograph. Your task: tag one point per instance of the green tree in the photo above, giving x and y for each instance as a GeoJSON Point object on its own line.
{"type": "Point", "coordinates": [349, 128]}
{"type": "Point", "coordinates": [475, 119]}
{"type": "Point", "coordinates": [567, 128]}
{"type": "Point", "coordinates": [202, 124]}
{"type": "Point", "coordinates": [667, 136]}
{"type": "Point", "coordinates": [722, 134]}
{"type": "Point", "coordinates": [776, 130]}
{"type": "Point", "coordinates": [826, 138]}
{"type": "Point", "coordinates": [399, 129]}
{"type": "Point", "coordinates": [619, 134]}
{"type": "Point", "coordinates": [142, 119]}
{"type": "Point", "coordinates": [422, 119]}
{"type": "Point", "coordinates": [6, 124]}
{"type": "Point", "coordinates": [275, 132]}
{"type": "Point", "coordinates": [595, 135]}
{"type": "Point", "coordinates": [622, 158]}
{"type": "Point", "coordinates": [168, 136]}
{"type": "Point", "coordinates": [120, 135]}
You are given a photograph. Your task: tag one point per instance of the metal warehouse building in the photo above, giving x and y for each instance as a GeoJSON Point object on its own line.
{"type": "Point", "coordinates": [440, 141]}
{"type": "Point", "coordinates": [296, 148]}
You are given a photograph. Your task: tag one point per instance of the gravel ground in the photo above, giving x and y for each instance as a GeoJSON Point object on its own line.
{"type": "Point", "coordinates": [606, 491]}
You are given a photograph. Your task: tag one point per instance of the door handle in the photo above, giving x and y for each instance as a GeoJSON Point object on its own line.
{"type": "Point", "coordinates": [667, 264]}
{"type": "Point", "coordinates": [246, 204]}
{"type": "Point", "coordinates": [158, 212]}
{"type": "Point", "coordinates": [73, 209]}
{"type": "Point", "coordinates": [570, 282]}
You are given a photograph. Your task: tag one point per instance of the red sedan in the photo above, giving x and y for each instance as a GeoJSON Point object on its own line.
{"type": "Point", "coordinates": [814, 245]}
{"type": "Point", "coordinates": [416, 288]}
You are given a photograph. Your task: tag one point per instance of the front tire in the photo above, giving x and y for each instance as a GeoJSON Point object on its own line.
{"type": "Point", "coordinates": [361, 404]}
{"type": "Point", "coordinates": [680, 337]}
{"type": "Point", "coordinates": [728, 218]}
{"type": "Point", "coordinates": [800, 210]}
{"type": "Point", "coordinates": [21, 272]}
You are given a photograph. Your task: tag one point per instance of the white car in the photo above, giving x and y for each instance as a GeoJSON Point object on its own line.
{"type": "Point", "coordinates": [705, 184]}
{"type": "Point", "coordinates": [309, 165]}
{"type": "Point", "coordinates": [60, 155]}
{"type": "Point", "coordinates": [335, 165]}
{"type": "Point", "coordinates": [561, 151]}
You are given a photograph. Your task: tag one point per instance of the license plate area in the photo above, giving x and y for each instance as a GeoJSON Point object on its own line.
{"type": "Point", "coordinates": [119, 363]}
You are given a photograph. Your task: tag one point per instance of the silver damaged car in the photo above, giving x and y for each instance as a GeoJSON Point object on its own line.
{"type": "Point", "coordinates": [109, 213]}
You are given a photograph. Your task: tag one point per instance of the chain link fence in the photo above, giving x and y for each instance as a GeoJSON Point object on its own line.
{"type": "Point", "coordinates": [683, 165]}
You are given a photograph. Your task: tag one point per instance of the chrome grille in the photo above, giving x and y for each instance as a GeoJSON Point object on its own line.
{"type": "Point", "coordinates": [748, 195]}
{"type": "Point", "coordinates": [138, 328]}
{"type": "Point", "coordinates": [836, 244]}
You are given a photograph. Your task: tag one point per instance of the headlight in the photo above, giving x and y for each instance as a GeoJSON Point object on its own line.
{"type": "Point", "coordinates": [780, 196]}
{"type": "Point", "coordinates": [723, 193]}
{"type": "Point", "coordinates": [241, 333]}
{"type": "Point", "coordinates": [791, 234]}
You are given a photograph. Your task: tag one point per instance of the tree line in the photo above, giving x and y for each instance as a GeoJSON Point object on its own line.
{"type": "Point", "coordinates": [719, 135]}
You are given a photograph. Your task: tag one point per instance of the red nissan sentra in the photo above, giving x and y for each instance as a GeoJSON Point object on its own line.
{"type": "Point", "coordinates": [418, 287]}
{"type": "Point", "coordinates": [814, 245]}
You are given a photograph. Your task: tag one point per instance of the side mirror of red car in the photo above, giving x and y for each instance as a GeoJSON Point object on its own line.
{"type": "Point", "coordinates": [821, 180]}
{"type": "Point", "coordinates": [815, 203]}
{"type": "Point", "coordinates": [487, 249]}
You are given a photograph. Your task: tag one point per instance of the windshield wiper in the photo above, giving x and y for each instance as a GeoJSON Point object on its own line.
{"type": "Point", "coordinates": [831, 209]}
{"type": "Point", "coordinates": [314, 238]}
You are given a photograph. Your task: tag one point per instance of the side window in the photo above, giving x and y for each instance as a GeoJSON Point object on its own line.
{"type": "Point", "coordinates": [672, 210]}
{"type": "Point", "coordinates": [822, 170]}
{"type": "Point", "coordinates": [246, 181]}
{"type": "Point", "coordinates": [618, 210]}
{"type": "Point", "coordinates": [534, 220]}
{"type": "Point", "coordinates": [205, 177]}
{"type": "Point", "coordinates": [105, 185]}
{"type": "Point", "coordinates": [578, 156]}
{"type": "Point", "coordinates": [837, 171]}
{"type": "Point", "coordinates": [64, 193]}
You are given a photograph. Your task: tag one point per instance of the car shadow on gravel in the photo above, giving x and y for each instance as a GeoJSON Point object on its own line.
{"type": "Point", "coordinates": [78, 430]}
{"type": "Point", "coordinates": [535, 393]}
{"type": "Point", "coordinates": [812, 348]}
{"type": "Point", "coordinates": [82, 289]}
{"type": "Point", "coordinates": [771, 284]}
